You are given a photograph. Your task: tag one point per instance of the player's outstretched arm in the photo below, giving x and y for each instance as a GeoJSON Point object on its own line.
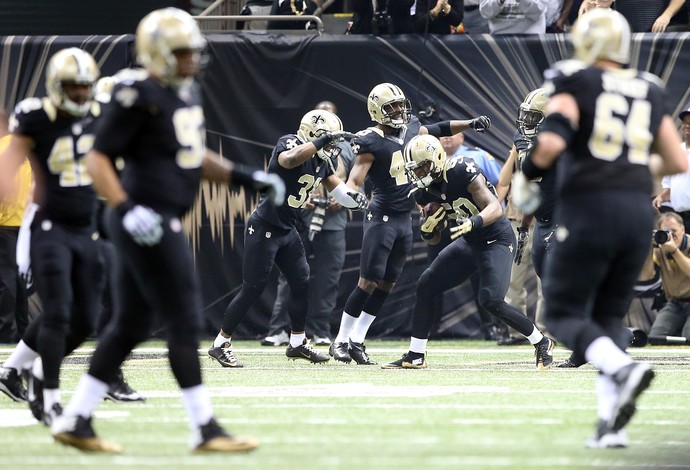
{"type": "Point", "coordinates": [344, 195]}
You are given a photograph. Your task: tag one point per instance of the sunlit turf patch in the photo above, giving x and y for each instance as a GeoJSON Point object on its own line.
{"type": "Point", "coordinates": [478, 406]}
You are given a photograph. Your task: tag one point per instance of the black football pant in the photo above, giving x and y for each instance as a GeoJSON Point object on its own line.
{"type": "Point", "coordinates": [68, 273]}
{"type": "Point", "coordinates": [152, 280]}
{"type": "Point", "coordinates": [454, 265]}
{"type": "Point", "coordinates": [266, 245]}
{"type": "Point", "coordinates": [598, 251]}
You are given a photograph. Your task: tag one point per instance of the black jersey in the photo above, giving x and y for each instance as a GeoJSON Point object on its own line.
{"type": "Point", "coordinates": [547, 182]}
{"type": "Point", "coordinates": [620, 112]}
{"type": "Point", "coordinates": [451, 191]}
{"type": "Point", "coordinates": [160, 133]}
{"type": "Point", "coordinates": [299, 183]}
{"type": "Point", "coordinates": [60, 143]}
{"type": "Point", "coordinates": [386, 177]}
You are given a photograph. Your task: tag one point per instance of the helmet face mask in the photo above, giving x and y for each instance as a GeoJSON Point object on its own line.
{"type": "Point", "coordinates": [424, 160]}
{"type": "Point", "coordinates": [601, 34]}
{"type": "Point", "coordinates": [163, 33]}
{"type": "Point", "coordinates": [71, 66]}
{"type": "Point", "coordinates": [531, 112]}
{"type": "Point", "coordinates": [314, 124]}
{"type": "Point", "coordinates": [388, 106]}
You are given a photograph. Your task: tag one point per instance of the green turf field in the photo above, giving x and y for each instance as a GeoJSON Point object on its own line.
{"type": "Point", "coordinates": [478, 406]}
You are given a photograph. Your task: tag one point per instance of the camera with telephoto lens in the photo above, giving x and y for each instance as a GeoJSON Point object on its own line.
{"type": "Point", "coordinates": [662, 236]}
{"type": "Point", "coordinates": [320, 204]}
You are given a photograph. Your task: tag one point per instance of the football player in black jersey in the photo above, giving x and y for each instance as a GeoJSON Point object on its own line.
{"type": "Point", "coordinates": [387, 222]}
{"type": "Point", "coordinates": [23, 356]}
{"type": "Point", "coordinates": [55, 132]}
{"type": "Point", "coordinates": [484, 242]}
{"type": "Point", "coordinates": [530, 115]}
{"type": "Point", "coordinates": [303, 160]}
{"type": "Point", "coordinates": [155, 122]}
{"type": "Point", "coordinates": [602, 124]}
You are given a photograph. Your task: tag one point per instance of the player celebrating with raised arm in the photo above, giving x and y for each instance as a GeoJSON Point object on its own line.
{"type": "Point", "coordinates": [303, 161]}
{"type": "Point", "coordinates": [387, 222]}
{"type": "Point", "coordinates": [484, 242]}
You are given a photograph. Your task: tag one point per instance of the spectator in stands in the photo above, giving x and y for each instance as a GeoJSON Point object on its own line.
{"type": "Point", "coordinates": [676, 188]}
{"type": "Point", "coordinates": [514, 16]}
{"type": "Point", "coordinates": [587, 5]}
{"type": "Point", "coordinates": [654, 16]}
{"type": "Point", "coordinates": [294, 8]}
{"type": "Point", "coordinates": [438, 16]}
{"type": "Point", "coordinates": [473, 22]}
{"type": "Point", "coordinates": [557, 12]}
{"type": "Point", "coordinates": [672, 256]}
{"type": "Point", "coordinates": [255, 7]}
{"type": "Point", "coordinates": [392, 17]}
{"type": "Point", "coordinates": [323, 235]}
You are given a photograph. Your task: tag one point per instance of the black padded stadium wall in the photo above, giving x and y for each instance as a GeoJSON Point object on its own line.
{"type": "Point", "coordinates": [257, 85]}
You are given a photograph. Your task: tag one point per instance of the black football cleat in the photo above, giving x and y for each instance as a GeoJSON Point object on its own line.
{"type": "Point", "coordinates": [119, 390]}
{"type": "Point", "coordinates": [631, 381]}
{"type": "Point", "coordinates": [340, 352]}
{"type": "Point", "coordinates": [76, 431]}
{"type": "Point", "coordinates": [410, 360]}
{"type": "Point", "coordinates": [543, 352]}
{"type": "Point", "coordinates": [224, 355]}
{"type": "Point", "coordinates": [34, 396]}
{"type": "Point", "coordinates": [570, 363]}
{"type": "Point", "coordinates": [11, 384]}
{"type": "Point", "coordinates": [305, 351]}
{"type": "Point", "coordinates": [358, 353]}
{"type": "Point", "coordinates": [211, 437]}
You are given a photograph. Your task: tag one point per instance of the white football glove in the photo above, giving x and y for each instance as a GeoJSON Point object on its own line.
{"type": "Point", "coordinates": [144, 225]}
{"type": "Point", "coordinates": [23, 253]}
{"type": "Point", "coordinates": [525, 194]}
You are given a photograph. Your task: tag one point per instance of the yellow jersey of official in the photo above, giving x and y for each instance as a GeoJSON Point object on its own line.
{"type": "Point", "coordinates": [11, 212]}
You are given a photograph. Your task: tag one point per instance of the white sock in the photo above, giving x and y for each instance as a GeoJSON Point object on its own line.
{"type": "Point", "coordinates": [220, 341]}
{"type": "Point", "coordinates": [359, 331]}
{"type": "Point", "coordinates": [89, 393]}
{"type": "Point", "coordinates": [606, 356]}
{"type": "Point", "coordinates": [198, 405]}
{"type": "Point", "coordinates": [296, 339]}
{"type": "Point", "coordinates": [50, 397]}
{"type": "Point", "coordinates": [535, 336]}
{"type": "Point", "coordinates": [346, 323]}
{"type": "Point", "coordinates": [37, 368]}
{"type": "Point", "coordinates": [21, 358]}
{"type": "Point", "coordinates": [606, 395]}
{"type": "Point", "coordinates": [418, 345]}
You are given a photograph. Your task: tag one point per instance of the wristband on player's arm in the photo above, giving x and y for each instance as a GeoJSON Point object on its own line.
{"type": "Point", "coordinates": [439, 129]}
{"type": "Point", "coordinates": [243, 176]}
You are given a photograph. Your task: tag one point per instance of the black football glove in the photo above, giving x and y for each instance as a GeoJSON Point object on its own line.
{"type": "Point", "coordinates": [480, 124]}
{"type": "Point", "coordinates": [329, 137]}
{"type": "Point", "coordinates": [522, 238]}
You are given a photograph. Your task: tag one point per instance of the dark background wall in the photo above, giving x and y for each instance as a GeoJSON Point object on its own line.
{"type": "Point", "coordinates": [258, 85]}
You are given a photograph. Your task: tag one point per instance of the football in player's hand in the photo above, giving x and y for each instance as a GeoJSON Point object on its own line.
{"type": "Point", "coordinates": [433, 225]}
{"type": "Point", "coordinates": [431, 208]}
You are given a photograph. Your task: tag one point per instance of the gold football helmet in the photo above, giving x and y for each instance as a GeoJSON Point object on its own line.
{"type": "Point", "coordinates": [388, 106]}
{"type": "Point", "coordinates": [314, 124]}
{"type": "Point", "coordinates": [424, 160]}
{"type": "Point", "coordinates": [71, 65]}
{"type": "Point", "coordinates": [531, 112]}
{"type": "Point", "coordinates": [160, 34]}
{"type": "Point", "coordinates": [601, 33]}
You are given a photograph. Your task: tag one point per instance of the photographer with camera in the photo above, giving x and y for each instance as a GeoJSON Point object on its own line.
{"type": "Point", "coordinates": [672, 256]}
{"type": "Point", "coordinates": [438, 16]}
